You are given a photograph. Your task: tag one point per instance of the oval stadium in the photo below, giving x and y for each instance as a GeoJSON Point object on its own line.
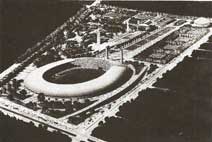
{"type": "Point", "coordinates": [80, 77]}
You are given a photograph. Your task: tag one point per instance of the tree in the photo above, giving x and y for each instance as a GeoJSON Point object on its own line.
{"type": "Point", "coordinates": [41, 97]}
{"type": "Point", "coordinates": [14, 84]}
{"type": "Point", "coordinates": [11, 95]}
{"type": "Point", "coordinates": [101, 123]}
{"type": "Point", "coordinates": [30, 105]}
{"type": "Point", "coordinates": [23, 92]}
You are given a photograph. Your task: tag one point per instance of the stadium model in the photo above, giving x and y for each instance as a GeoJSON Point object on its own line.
{"type": "Point", "coordinates": [106, 74]}
{"type": "Point", "coordinates": [104, 56]}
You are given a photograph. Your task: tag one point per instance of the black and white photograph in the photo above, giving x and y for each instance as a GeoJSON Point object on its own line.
{"type": "Point", "coordinates": [105, 71]}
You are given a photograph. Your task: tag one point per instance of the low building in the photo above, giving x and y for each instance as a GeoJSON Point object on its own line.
{"type": "Point", "coordinates": [201, 22]}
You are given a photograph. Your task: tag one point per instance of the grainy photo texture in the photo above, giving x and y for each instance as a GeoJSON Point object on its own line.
{"type": "Point", "coordinates": [105, 71]}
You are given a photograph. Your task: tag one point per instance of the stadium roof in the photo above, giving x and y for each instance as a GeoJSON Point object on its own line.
{"type": "Point", "coordinates": [202, 22]}
{"type": "Point", "coordinates": [38, 84]}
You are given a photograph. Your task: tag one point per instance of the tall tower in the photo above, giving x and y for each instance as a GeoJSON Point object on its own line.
{"type": "Point", "coordinates": [65, 33]}
{"type": "Point", "coordinates": [127, 23]}
{"type": "Point", "coordinates": [122, 55]}
{"type": "Point", "coordinates": [98, 40]}
{"type": "Point", "coordinates": [107, 52]}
